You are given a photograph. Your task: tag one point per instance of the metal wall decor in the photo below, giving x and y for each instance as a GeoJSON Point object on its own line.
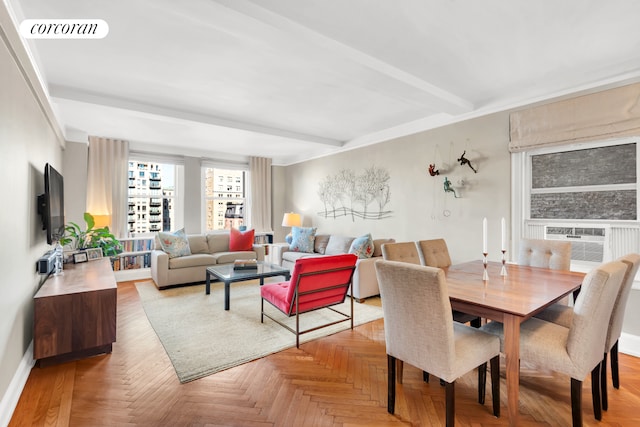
{"type": "Point", "coordinates": [363, 196]}
{"type": "Point", "coordinates": [462, 160]}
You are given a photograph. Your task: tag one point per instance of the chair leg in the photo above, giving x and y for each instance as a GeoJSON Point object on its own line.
{"type": "Point", "coordinates": [495, 385]}
{"type": "Point", "coordinates": [261, 310]}
{"type": "Point", "coordinates": [400, 370]}
{"type": "Point", "coordinates": [425, 376]}
{"type": "Point", "coordinates": [614, 366]}
{"type": "Point", "coordinates": [595, 392]}
{"type": "Point", "coordinates": [603, 383]}
{"type": "Point", "coordinates": [576, 402]}
{"type": "Point", "coordinates": [450, 399]}
{"type": "Point", "coordinates": [391, 384]}
{"type": "Point", "coordinates": [482, 382]}
{"type": "Point", "coordinates": [476, 323]}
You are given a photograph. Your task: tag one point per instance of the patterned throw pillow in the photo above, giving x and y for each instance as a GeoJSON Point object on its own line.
{"type": "Point", "coordinates": [303, 239]}
{"type": "Point", "coordinates": [241, 240]}
{"type": "Point", "coordinates": [362, 246]}
{"type": "Point", "coordinates": [174, 244]}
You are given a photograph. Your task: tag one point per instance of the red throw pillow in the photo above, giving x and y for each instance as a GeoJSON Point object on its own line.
{"type": "Point", "coordinates": [241, 240]}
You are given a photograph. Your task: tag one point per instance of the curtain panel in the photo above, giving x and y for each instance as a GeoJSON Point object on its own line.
{"type": "Point", "coordinates": [107, 186]}
{"type": "Point", "coordinates": [260, 172]}
{"type": "Point", "coordinates": [603, 115]}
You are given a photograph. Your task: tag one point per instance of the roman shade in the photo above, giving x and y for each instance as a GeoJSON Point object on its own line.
{"type": "Point", "coordinates": [603, 115]}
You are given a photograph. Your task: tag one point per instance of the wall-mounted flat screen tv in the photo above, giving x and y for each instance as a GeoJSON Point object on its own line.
{"type": "Point", "coordinates": [51, 204]}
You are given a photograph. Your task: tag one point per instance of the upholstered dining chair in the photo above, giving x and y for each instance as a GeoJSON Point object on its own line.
{"type": "Point", "coordinates": [419, 329]}
{"type": "Point", "coordinates": [575, 350]}
{"type": "Point", "coordinates": [435, 253]}
{"type": "Point", "coordinates": [563, 315]}
{"type": "Point", "coordinates": [552, 254]}
{"type": "Point", "coordinates": [401, 251]}
{"type": "Point", "coordinates": [438, 255]}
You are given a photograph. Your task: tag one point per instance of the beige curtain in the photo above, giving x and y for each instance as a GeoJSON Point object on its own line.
{"type": "Point", "coordinates": [612, 113]}
{"type": "Point", "coordinates": [107, 181]}
{"type": "Point", "coordinates": [260, 171]}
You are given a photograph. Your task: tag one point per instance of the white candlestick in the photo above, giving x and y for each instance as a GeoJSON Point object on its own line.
{"type": "Point", "coordinates": [484, 236]}
{"type": "Point", "coordinates": [504, 235]}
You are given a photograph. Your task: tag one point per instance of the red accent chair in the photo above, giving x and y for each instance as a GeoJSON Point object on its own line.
{"type": "Point", "coordinates": [316, 283]}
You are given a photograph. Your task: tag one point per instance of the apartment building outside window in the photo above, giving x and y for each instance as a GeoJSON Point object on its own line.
{"type": "Point", "coordinates": [151, 197]}
{"type": "Point", "coordinates": [224, 198]}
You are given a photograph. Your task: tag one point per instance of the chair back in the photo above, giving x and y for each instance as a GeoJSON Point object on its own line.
{"type": "Point", "coordinates": [592, 313]}
{"type": "Point", "coordinates": [632, 261]}
{"type": "Point", "coordinates": [552, 254]}
{"type": "Point", "coordinates": [318, 282]}
{"type": "Point", "coordinates": [435, 253]}
{"type": "Point", "coordinates": [401, 251]}
{"type": "Point", "coordinates": [418, 322]}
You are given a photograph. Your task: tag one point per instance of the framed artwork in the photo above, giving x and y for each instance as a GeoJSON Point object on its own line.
{"type": "Point", "coordinates": [79, 257]}
{"type": "Point", "coordinates": [95, 253]}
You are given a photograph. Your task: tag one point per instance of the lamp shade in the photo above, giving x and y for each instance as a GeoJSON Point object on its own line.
{"type": "Point", "coordinates": [102, 221]}
{"type": "Point", "coordinates": [291, 219]}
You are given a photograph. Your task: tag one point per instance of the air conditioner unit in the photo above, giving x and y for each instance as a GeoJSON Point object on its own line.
{"type": "Point", "coordinates": [589, 243]}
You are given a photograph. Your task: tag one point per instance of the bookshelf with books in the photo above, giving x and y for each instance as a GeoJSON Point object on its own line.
{"type": "Point", "coordinates": [135, 260]}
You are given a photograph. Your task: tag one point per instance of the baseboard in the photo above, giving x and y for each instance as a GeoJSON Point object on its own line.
{"type": "Point", "coordinates": [10, 399]}
{"type": "Point", "coordinates": [629, 344]}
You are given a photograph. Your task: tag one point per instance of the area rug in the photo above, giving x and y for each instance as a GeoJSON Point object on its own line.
{"type": "Point", "coordinates": [201, 338]}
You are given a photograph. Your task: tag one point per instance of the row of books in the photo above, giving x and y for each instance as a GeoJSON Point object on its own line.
{"type": "Point", "coordinates": [137, 245]}
{"type": "Point", "coordinates": [263, 239]}
{"type": "Point", "coordinates": [131, 262]}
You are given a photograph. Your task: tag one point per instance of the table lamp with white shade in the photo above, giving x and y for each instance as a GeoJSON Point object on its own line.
{"type": "Point", "coordinates": [291, 219]}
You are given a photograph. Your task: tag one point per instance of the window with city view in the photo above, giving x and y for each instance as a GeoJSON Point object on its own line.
{"type": "Point", "coordinates": [225, 198]}
{"type": "Point", "coordinates": [151, 198]}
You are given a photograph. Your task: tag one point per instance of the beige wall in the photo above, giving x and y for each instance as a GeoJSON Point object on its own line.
{"type": "Point", "coordinates": [27, 142]}
{"type": "Point", "coordinates": [418, 201]}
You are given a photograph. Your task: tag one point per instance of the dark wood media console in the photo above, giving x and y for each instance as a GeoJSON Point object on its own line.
{"type": "Point", "coordinates": [75, 313]}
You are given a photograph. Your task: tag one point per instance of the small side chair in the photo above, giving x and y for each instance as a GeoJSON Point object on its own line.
{"type": "Point", "coordinates": [419, 329]}
{"type": "Point", "coordinates": [316, 283]}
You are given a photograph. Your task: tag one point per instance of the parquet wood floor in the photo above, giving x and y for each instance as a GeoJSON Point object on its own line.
{"type": "Point", "coordinates": [335, 381]}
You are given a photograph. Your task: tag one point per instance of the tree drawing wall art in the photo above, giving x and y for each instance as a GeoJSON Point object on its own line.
{"type": "Point", "coordinates": [362, 196]}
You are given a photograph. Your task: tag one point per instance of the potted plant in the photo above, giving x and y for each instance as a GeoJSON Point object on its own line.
{"type": "Point", "coordinates": [77, 239]}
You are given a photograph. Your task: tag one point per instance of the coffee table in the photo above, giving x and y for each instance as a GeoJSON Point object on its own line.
{"type": "Point", "coordinates": [228, 275]}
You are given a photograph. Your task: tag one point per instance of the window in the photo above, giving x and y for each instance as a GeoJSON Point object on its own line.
{"type": "Point", "coordinates": [597, 183]}
{"type": "Point", "coordinates": [586, 193]}
{"type": "Point", "coordinates": [220, 213]}
{"type": "Point", "coordinates": [153, 197]}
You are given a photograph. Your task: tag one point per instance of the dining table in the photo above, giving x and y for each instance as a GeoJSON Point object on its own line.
{"type": "Point", "coordinates": [511, 299]}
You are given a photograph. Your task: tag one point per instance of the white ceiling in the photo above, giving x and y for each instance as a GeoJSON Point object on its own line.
{"type": "Point", "coordinates": [297, 79]}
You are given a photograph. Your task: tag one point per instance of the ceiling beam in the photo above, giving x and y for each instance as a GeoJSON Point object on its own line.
{"type": "Point", "coordinates": [446, 101]}
{"type": "Point", "coordinates": [73, 94]}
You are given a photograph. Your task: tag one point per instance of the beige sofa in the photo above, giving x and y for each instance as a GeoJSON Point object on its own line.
{"type": "Point", "coordinates": [365, 282]}
{"type": "Point", "coordinates": [206, 250]}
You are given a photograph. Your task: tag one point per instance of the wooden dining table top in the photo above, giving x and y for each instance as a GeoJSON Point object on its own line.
{"type": "Point", "coordinates": [523, 292]}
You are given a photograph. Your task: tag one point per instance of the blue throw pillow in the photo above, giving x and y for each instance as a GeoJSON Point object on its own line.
{"type": "Point", "coordinates": [175, 244]}
{"type": "Point", "coordinates": [362, 246]}
{"type": "Point", "coordinates": [303, 239]}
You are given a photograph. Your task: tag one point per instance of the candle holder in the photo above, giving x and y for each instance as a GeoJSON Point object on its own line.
{"type": "Point", "coordinates": [503, 271]}
{"type": "Point", "coordinates": [485, 274]}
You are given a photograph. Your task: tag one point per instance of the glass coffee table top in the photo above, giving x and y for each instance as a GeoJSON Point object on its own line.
{"type": "Point", "coordinates": [226, 271]}
{"type": "Point", "coordinates": [227, 274]}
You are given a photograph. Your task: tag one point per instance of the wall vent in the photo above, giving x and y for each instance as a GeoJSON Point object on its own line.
{"type": "Point", "coordinates": [589, 244]}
